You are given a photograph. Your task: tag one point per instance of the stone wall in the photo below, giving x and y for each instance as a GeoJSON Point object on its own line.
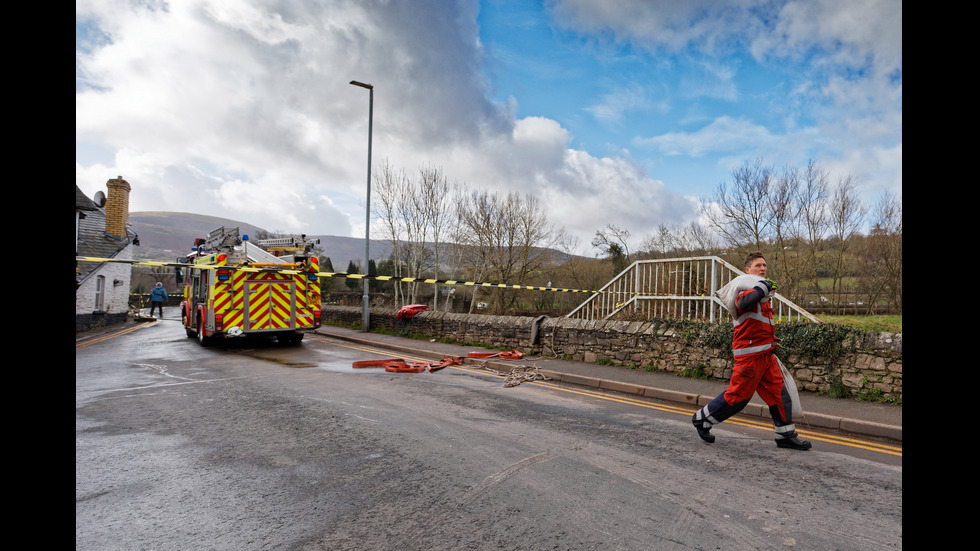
{"type": "Point", "coordinates": [875, 366]}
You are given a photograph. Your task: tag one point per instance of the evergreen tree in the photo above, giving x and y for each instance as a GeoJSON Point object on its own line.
{"type": "Point", "coordinates": [352, 284]}
{"type": "Point", "coordinates": [326, 283]}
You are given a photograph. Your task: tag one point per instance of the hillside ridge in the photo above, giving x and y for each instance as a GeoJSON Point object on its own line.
{"type": "Point", "coordinates": [165, 235]}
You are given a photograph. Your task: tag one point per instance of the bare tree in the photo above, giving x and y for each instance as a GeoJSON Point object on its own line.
{"type": "Point", "coordinates": [881, 259]}
{"type": "Point", "coordinates": [414, 215]}
{"type": "Point", "coordinates": [614, 242]}
{"type": "Point", "coordinates": [577, 272]}
{"type": "Point", "coordinates": [663, 241]}
{"type": "Point", "coordinates": [436, 203]}
{"type": "Point", "coordinates": [782, 204]}
{"type": "Point", "coordinates": [846, 215]}
{"type": "Point", "coordinates": [506, 237]}
{"type": "Point", "coordinates": [455, 246]}
{"type": "Point", "coordinates": [741, 212]}
{"type": "Point", "coordinates": [672, 240]}
{"type": "Point", "coordinates": [697, 240]}
{"type": "Point", "coordinates": [810, 226]}
{"type": "Point", "coordinates": [390, 195]}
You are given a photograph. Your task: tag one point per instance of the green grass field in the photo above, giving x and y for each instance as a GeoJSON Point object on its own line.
{"type": "Point", "coordinates": [891, 324]}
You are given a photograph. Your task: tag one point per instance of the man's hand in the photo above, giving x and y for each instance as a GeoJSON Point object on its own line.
{"type": "Point", "coordinates": [770, 284]}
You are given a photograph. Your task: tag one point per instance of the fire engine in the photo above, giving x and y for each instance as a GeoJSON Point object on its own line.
{"type": "Point", "coordinates": [234, 287]}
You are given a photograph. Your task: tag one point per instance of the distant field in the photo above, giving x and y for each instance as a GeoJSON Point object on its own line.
{"type": "Point", "coordinates": [891, 324]}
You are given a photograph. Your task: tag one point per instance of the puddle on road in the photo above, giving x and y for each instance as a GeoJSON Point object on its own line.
{"type": "Point", "coordinates": [285, 362]}
{"type": "Point", "coordinates": [281, 361]}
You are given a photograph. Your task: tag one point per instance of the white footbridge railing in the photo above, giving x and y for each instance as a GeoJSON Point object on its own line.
{"type": "Point", "coordinates": [678, 288]}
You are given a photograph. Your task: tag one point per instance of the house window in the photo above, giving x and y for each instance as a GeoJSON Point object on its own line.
{"type": "Point", "coordinates": [100, 293]}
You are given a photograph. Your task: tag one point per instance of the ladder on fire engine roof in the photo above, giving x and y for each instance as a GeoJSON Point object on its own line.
{"type": "Point", "coordinates": [256, 254]}
{"type": "Point", "coordinates": [220, 237]}
{"type": "Point", "coordinates": [231, 238]}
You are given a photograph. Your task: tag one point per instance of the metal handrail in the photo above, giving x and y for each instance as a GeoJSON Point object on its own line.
{"type": "Point", "coordinates": [682, 288]}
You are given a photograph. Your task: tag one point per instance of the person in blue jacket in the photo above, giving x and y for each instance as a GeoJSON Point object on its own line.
{"type": "Point", "coordinates": [157, 296]}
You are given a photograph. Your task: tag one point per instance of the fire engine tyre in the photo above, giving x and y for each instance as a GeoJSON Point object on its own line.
{"type": "Point", "coordinates": [201, 338]}
{"type": "Point", "coordinates": [190, 332]}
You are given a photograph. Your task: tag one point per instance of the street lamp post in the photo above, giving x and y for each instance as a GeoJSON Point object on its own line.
{"type": "Point", "coordinates": [366, 313]}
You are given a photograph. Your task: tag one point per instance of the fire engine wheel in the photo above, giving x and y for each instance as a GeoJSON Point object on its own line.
{"type": "Point", "coordinates": [190, 332]}
{"type": "Point", "coordinates": [200, 334]}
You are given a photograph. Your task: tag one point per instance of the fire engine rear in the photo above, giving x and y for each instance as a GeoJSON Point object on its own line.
{"type": "Point", "coordinates": [236, 288]}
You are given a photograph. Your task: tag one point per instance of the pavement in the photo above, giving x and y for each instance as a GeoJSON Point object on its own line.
{"type": "Point", "coordinates": [841, 414]}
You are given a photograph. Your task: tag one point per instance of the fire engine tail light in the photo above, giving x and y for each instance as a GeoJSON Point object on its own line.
{"type": "Point", "coordinates": [219, 322]}
{"type": "Point", "coordinates": [316, 318]}
{"type": "Point", "coordinates": [224, 275]}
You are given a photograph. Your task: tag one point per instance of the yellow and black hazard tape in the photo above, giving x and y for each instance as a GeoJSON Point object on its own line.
{"type": "Point", "coordinates": [336, 274]}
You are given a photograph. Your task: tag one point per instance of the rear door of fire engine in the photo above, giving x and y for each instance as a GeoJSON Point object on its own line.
{"type": "Point", "coordinates": [270, 302]}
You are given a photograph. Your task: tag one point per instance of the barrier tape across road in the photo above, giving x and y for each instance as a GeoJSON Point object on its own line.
{"type": "Point", "coordinates": [339, 274]}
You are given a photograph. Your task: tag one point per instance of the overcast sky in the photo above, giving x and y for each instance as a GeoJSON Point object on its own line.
{"type": "Point", "coordinates": [622, 113]}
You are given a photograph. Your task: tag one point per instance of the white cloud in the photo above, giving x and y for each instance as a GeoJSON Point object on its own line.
{"type": "Point", "coordinates": [614, 106]}
{"type": "Point", "coordinates": [243, 109]}
{"type": "Point", "coordinates": [660, 24]}
{"type": "Point", "coordinates": [722, 135]}
{"type": "Point", "coordinates": [230, 107]}
{"type": "Point", "coordinates": [839, 63]}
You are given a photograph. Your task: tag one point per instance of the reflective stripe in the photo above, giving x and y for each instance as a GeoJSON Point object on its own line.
{"type": "Point", "coordinates": [752, 349]}
{"type": "Point", "coordinates": [705, 418]}
{"type": "Point", "coordinates": [758, 316]}
{"type": "Point", "coordinates": [785, 430]}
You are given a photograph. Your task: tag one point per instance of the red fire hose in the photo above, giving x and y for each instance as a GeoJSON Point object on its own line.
{"type": "Point", "coordinates": [398, 365]}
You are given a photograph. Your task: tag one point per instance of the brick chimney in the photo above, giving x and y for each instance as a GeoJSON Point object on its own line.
{"type": "Point", "coordinates": [117, 207]}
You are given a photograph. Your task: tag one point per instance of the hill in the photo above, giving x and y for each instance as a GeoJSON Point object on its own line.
{"type": "Point", "coordinates": [167, 235]}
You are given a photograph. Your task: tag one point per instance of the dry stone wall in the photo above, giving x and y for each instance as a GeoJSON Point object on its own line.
{"type": "Point", "coordinates": [874, 366]}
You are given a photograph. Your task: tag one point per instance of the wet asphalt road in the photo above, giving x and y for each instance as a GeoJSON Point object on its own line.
{"type": "Point", "coordinates": [259, 446]}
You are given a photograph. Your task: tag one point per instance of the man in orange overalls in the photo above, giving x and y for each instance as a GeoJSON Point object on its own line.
{"type": "Point", "coordinates": [756, 368]}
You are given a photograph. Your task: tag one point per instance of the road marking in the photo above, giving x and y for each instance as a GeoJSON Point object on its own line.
{"type": "Point", "coordinates": [639, 402]}
{"type": "Point", "coordinates": [646, 403]}
{"type": "Point", "coordinates": [106, 336]}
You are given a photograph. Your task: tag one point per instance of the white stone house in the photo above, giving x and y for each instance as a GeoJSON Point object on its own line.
{"type": "Point", "coordinates": [102, 231]}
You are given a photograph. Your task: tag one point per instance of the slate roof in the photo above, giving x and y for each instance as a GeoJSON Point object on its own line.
{"type": "Point", "coordinates": [82, 201]}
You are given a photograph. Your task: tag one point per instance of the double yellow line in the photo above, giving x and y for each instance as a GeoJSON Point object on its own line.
{"type": "Point", "coordinates": [741, 421]}
{"type": "Point", "coordinates": [106, 336]}
{"type": "Point", "coordinates": [622, 399]}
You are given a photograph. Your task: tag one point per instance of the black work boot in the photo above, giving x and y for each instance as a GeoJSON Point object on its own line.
{"type": "Point", "coordinates": [703, 431]}
{"type": "Point", "coordinates": [793, 443]}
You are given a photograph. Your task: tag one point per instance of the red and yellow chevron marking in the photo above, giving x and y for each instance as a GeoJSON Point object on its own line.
{"type": "Point", "coordinates": [281, 315]}
{"type": "Point", "coordinates": [303, 316]}
{"type": "Point", "coordinates": [229, 299]}
{"type": "Point", "coordinates": [269, 301]}
{"type": "Point", "coordinates": [302, 289]}
{"type": "Point", "coordinates": [258, 300]}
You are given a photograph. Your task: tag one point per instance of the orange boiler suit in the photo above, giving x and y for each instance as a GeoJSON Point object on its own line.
{"type": "Point", "coordinates": [756, 368]}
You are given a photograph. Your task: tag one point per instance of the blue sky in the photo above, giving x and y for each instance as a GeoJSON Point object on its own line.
{"type": "Point", "coordinates": [625, 113]}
